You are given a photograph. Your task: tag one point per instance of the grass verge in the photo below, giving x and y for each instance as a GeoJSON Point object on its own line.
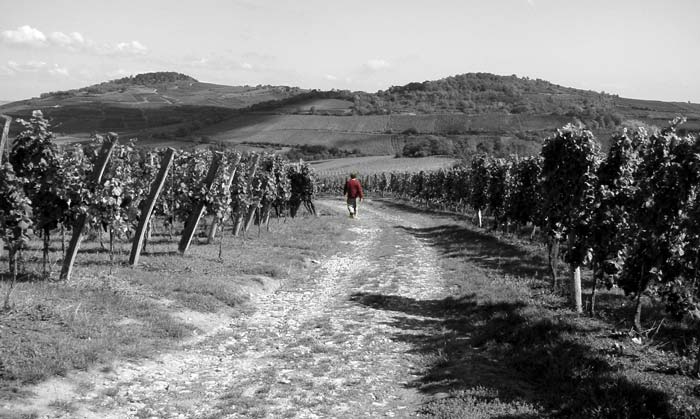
{"type": "Point", "coordinates": [509, 347]}
{"type": "Point", "coordinates": [109, 311]}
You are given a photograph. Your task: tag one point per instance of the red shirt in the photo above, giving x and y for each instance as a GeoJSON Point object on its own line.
{"type": "Point", "coordinates": [353, 189]}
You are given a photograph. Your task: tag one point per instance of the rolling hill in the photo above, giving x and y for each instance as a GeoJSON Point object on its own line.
{"type": "Point", "coordinates": [134, 105]}
{"type": "Point", "coordinates": [475, 112]}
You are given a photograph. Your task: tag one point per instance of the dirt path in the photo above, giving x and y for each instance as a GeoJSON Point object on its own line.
{"type": "Point", "coordinates": [311, 349]}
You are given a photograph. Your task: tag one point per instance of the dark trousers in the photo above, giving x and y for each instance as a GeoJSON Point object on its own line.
{"type": "Point", "coordinates": [352, 205]}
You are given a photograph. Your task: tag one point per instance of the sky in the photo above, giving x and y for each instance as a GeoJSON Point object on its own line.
{"type": "Point", "coordinates": [635, 48]}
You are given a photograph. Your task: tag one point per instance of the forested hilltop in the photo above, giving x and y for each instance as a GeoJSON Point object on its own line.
{"type": "Point", "coordinates": [486, 92]}
{"type": "Point", "coordinates": [153, 79]}
{"type": "Point", "coordinates": [481, 93]}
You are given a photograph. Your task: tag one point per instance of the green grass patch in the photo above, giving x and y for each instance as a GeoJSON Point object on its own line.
{"type": "Point", "coordinates": [505, 345]}
{"type": "Point", "coordinates": [109, 311]}
{"type": "Point", "coordinates": [55, 328]}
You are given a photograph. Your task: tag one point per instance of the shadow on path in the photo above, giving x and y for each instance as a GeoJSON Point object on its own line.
{"type": "Point", "coordinates": [511, 357]}
{"type": "Point", "coordinates": [496, 352]}
{"type": "Point", "coordinates": [455, 241]}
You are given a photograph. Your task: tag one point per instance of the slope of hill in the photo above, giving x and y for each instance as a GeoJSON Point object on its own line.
{"type": "Point", "coordinates": [475, 112]}
{"type": "Point", "coordinates": [483, 93]}
{"type": "Point", "coordinates": [387, 134]}
{"type": "Point", "coordinates": [133, 105]}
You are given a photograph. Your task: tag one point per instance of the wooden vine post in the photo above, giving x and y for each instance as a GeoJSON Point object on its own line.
{"type": "Point", "coordinates": [96, 179]}
{"type": "Point", "coordinates": [250, 217]}
{"type": "Point", "coordinates": [3, 140]}
{"type": "Point", "coordinates": [5, 133]}
{"type": "Point", "coordinates": [264, 217]}
{"type": "Point", "coordinates": [211, 235]}
{"type": "Point", "coordinates": [575, 272]}
{"type": "Point", "coordinates": [242, 217]}
{"type": "Point", "coordinates": [199, 206]}
{"type": "Point", "coordinates": [145, 218]}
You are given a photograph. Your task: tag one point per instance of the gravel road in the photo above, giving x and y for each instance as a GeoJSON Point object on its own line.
{"type": "Point", "coordinates": [316, 348]}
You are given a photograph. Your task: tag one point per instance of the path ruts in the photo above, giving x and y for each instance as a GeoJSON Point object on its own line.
{"type": "Point", "coordinates": [313, 348]}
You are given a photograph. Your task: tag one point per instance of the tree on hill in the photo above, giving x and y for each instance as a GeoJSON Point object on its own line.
{"type": "Point", "coordinates": [477, 93]}
{"type": "Point", "coordinates": [159, 77]}
{"type": "Point", "coordinates": [118, 85]}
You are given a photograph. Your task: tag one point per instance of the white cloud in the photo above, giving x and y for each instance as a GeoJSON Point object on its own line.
{"type": "Point", "coordinates": [259, 57]}
{"type": "Point", "coordinates": [6, 71]}
{"type": "Point", "coordinates": [59, 71]}
{"type": "Point", "coordinates": [331, 77]}
{"type": "Point", "coordinates": [223, 63]}
{"type": "Point", "coordinates": [28, 66]}
{"type": "Point", "coordinates": [200, 62]}
{"type": "Point", "coordinates": [34, 67]}
{"type": "Point", "coordinates": [250, 67]}
{"type": "Point", "coordinates": [74, 41]}
{"type": "Point", "coordinates": [251, 4]}
{"type": "Point", "coordinates": [377, 64]}
{"type": "Point", "coordinates": [133, 47]}
{"type": "Point", "coordinates": [24, 35]}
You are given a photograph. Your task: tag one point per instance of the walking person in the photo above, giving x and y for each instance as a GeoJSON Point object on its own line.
{"type": "Point", "coordinates": [353, 192]}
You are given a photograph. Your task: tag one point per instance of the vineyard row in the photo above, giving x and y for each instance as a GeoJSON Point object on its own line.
{"type": "Point", "coordinates": [119, 188]}
{"type": "Point", "coordinates": [632, 215]}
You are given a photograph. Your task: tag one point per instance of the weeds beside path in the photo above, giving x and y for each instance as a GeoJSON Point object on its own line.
{"type": "Point", "coordinates": [511, 348]}
{"type": "Point", "coordinates": [415, 315]}
{"type": "Point", "coordinates": [313, 348]}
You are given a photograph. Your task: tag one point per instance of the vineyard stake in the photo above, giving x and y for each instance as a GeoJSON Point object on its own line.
{"type": "Point", "coordinates": [199, 206]}
{"type": "Point", "coordinates": [241, 218]}
{"type": "Point", "coordinates": [5, 133]}
{"type": "Point", "coordinates": [97, 173]}
{"type": "Point", "coordinates": [216, 221]}
{"type": "Point", "coordinates": [575, 280]}
{"type": "Point", "coordinates": [211, 230]}
{"type": "Point", "coordinates": [145, 218]}
{"type": "Point", "coordinates": [249, 218]}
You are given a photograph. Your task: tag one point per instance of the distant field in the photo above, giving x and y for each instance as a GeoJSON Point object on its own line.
{"type": "Point", "coordinates": [378, 164]}
{"type": "Point", "coordinates": [375, 144]}
{"type": "Point", "coordinates": [660, 113]}
{"type": "Point", "coordinates": [245, 125]}
{"type": "Point", "coordinates": [458, 123]}
{"type": "Point", "coordinates": [375, 134]}
{"type": "Point", "coordinates": [319, 105]}
{"type": "Point", "coordinates": [242, 127]}
{"type": "Point", "coordinates": [365, 133]}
